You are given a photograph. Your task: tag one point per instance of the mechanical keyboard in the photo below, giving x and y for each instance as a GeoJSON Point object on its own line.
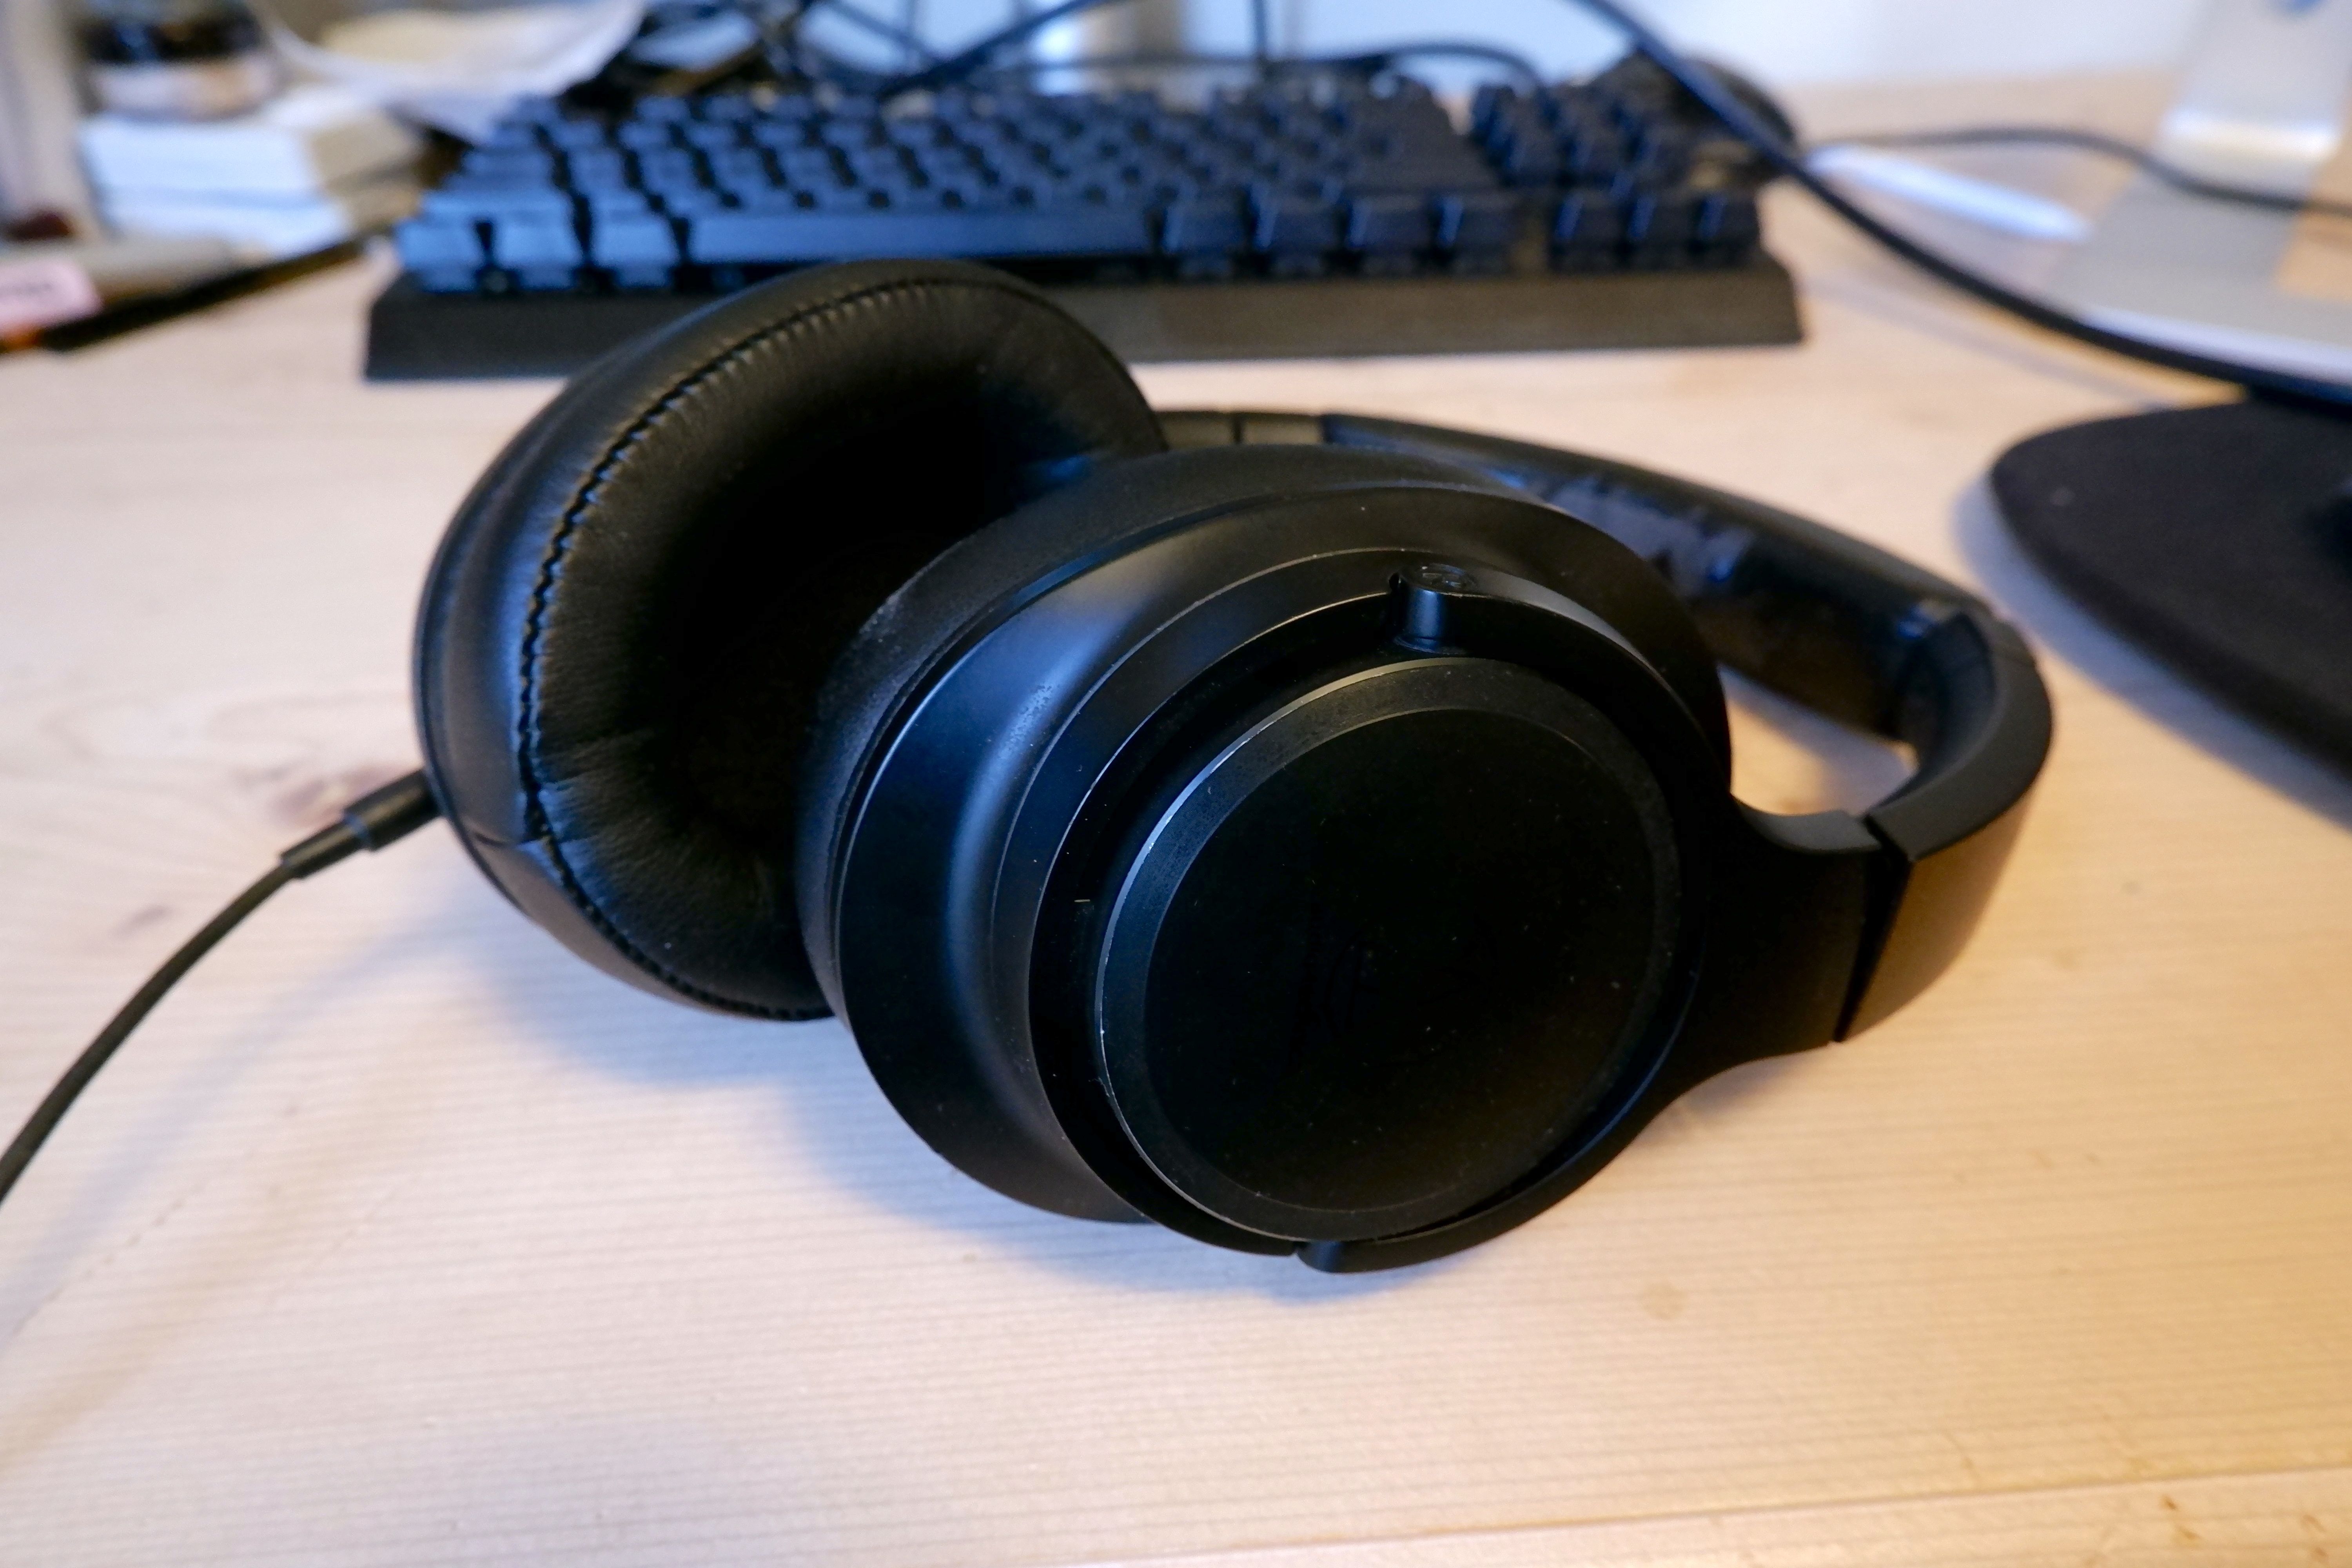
{"type": "Point", "coordinates": [1294, 216]}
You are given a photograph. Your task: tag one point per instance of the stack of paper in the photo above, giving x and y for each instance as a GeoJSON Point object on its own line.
{"type": "Point", "coordinates": [313, 167]}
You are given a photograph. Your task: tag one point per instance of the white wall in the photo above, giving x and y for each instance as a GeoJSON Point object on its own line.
{"type": "Point", "coordinates": [1779, 40]}
{"type": "Point", "coordinates": [39, 167]}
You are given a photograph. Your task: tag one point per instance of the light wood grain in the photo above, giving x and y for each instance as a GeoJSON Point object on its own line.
{"type": "Point", "coordinates": [401, 1237]}
{"type": "Point", "coordinates": [2301, 1519]}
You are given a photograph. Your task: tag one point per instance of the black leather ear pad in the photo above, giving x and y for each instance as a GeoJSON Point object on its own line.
{"type": "Point", "coordinates": [988, 575]}
{"type": "Point", "coordinates": [624, 635]}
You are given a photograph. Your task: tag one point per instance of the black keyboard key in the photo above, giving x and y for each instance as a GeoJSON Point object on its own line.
{"type": "Point", "coordinates": [1659, 228]}
{"type": "Point", "coordinates": [755, 238]}
{"type": "Point", "coordinates": [1587, 231]}
{"type": "Point", "coordinates": [509, 163]}
{"type": "Point", "coordinates": [849, 133]}
{"type": "Point", "coordinates": [542, 252]}
{"type": "Point", "coordinates": [1664, 157]}
{"type": "Point", "coordinates": [946, 162]}
{"type": "Point", "coordinates": [809, 165]}
{"type": "Point", "coordinates": [1487, 107]}
{"type": "Point", "coordinates": [1727, 230]}
{"type": "Point", "coordinates": [669, 168]}
{"type": "Point", "coordinates": [838, 197]}
{"type": "Point", "coordinates": [769, 199]}
{"type": "Point", "coordinates": [1390, 222]}
{"type": "Point", "coordinates": [597, 169]}
{"type": "Point", "coordinates": [1531, 157]}
{"type": "Point", "coordinates": [917, 134]}
{"type": "Point", "coordinates": [1478, 222]}
{"type": "Point", "coordinates": [626, 241]}
{"type": "Point", "coordinates": [740, 166]}
{"type": "Point", "coordinates": [1596, 152]}
{"type": "Point", "coordinates": [960, 194]}
{"type": "Point", "coordinates": [646, 135]}
{"type": "Point", "coordinates": [763, 194]}
{"type": "Point", "coordinates": [468, 200]}
{"type": "Point", "coordinates": [444, 253]}
{"type": "Point", "coordinates": [573, 135]}
{"type": "Point", "coordinates": [689, 201]}
{"type": "Point", "coordinates": [1199, 226]}
{"type": "Point", "coordinates": [1295, 232]}
{"type": "Point", "coordinates": [877, 164]}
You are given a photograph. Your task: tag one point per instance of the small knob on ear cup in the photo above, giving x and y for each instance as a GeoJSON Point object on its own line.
{"type": "Point", "coordinates": [1421, 599]}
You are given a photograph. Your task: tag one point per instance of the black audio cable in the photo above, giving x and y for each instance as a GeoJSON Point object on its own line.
{"type": "Point", "coordinates": [2078, 139]}
{"type": "Point", "coordinates": [371, 822]}
{"type": "Point", "coordinates": [1744, 122]}
{"type": "Point", "coordinates": [967, 60]}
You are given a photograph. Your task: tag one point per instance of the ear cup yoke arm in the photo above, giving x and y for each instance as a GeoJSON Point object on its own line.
{"type": "Point", "coordinates": [1843, 628]}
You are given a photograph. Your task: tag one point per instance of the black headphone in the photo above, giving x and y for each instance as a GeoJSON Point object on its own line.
{"type": "Point", "coordinates": [1312, 833]}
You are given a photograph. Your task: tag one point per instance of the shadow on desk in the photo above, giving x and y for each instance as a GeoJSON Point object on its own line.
{"type": "Point", "coordinates": [2072, 633]}
{"type": "Point", "coordinates": [816, 1079]}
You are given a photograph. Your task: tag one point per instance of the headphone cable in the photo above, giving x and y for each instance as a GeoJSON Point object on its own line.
{"type": "Point", "coordinates": [1743, 122]}
{"type": "Point", "coordinates": [2076, 138]}
{"type": "Point", "coordinates": [371, 822]}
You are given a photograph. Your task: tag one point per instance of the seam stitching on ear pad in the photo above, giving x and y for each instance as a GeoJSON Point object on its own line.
{"type": "Point", "coordinates": [680, 393]}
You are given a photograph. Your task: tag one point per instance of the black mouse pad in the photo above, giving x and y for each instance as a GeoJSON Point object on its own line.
{"type": "Point", "coordinates": [2217, 540]}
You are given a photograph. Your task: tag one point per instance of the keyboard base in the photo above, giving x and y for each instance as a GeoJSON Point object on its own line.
{"type": "Point", "coordinates": [413, 335]}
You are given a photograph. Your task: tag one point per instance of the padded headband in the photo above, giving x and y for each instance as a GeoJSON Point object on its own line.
{"type": "Point", "coordinates": [1846, 630]}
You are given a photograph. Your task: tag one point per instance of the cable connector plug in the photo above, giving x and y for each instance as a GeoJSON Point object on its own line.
{"type": "Point", "coordinates": [379, 818]}
{"type": "Point", "coordinates": [371, 822]}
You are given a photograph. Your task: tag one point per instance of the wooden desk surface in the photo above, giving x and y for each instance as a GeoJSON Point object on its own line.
{"type": "Point", "coordinates": [399, 1236]}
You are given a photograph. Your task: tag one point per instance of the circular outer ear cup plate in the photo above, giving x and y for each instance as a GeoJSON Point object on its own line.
{"type": "Point", "coordinates": [1382, 956]}
{"type": "Point", "coordinates": [623, 633]}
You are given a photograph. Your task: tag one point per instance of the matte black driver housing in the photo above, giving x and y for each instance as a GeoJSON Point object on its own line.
{"type": "Point", "coordinates": [1312, 833]}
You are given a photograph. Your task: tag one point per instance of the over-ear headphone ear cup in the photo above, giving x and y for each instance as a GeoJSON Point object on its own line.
{"type": "Point", "coordinates": [997, 754]}
{"type": "Point", "coordinates": [624, 632]}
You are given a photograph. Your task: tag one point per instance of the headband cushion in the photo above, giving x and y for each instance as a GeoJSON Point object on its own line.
{"type": "Point", "coordinates": [624, 632]}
